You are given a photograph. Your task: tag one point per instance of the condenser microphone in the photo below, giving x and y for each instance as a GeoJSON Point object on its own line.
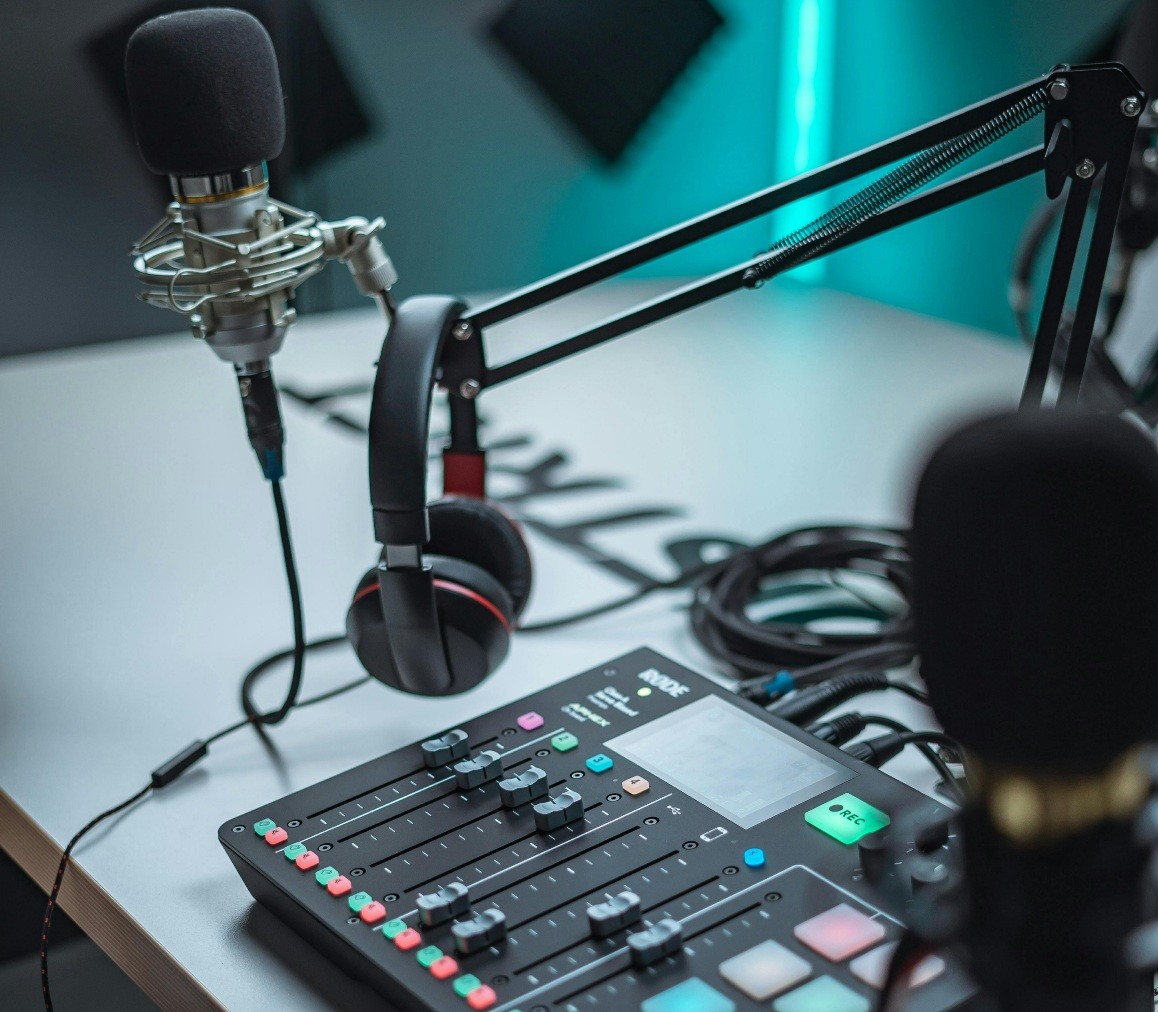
{"type": "Point", "coordinates": [1035, 567]}
{"type": "Point", "coordinates": [206, 103]}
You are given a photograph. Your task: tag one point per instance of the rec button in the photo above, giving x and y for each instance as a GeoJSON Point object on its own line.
{"type": "Point", "coordinates": [847, 818]}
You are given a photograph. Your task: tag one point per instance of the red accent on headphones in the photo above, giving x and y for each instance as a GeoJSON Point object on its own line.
{"type": "Point", "coordinates": [464, 473]}
{"type": "Point", "coordinates": [454, 588]}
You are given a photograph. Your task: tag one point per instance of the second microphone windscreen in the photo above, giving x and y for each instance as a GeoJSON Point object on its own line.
{"type": "Point", "coordinates": [1035, 554]}
{"type": "Point", "coordinates": [204, 92]}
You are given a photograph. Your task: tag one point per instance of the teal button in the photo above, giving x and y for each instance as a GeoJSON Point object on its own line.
{"type": "Point", "coordinates": [393, 928]}
{"type": "Point", "coordinates": [846, 818]}
{"type": "Point", "coordinates": [428, 955]}
{"type": "Point", "coordinates": [822, 995]}
{"type": "Point", "coordinates": [326, 874]}
{"type": "Point", "coordinates": [264, 826]}
{"type": "Point", "coordinates": [359, 900]}
{"type": "Point", "coordinates": [564, 742]}
{"type": "Point", "coordinates": [294, 850]}
{"type": "Point", "coordinates": [691, 995]}
{"type": "Point", "coordinates": [600, 763]}
{"type": "Point", "coordinates": [754, 857]}
{"type": "Point", "coordinates": [465, 984]}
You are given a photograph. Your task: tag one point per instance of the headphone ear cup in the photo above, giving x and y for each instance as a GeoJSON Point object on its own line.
{"type": "Point", "coordinates": [367, 632]}
{"type": "Point", "coordinates": [477, 532]}
{"type": "Point", "coordinates": [475, 615]}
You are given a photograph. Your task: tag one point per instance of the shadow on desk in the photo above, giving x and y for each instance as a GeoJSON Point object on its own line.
{"type": "Point", "coordinates": [299, 959]}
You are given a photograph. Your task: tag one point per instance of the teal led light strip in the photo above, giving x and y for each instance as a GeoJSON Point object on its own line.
{"type": "Point", "coordinates": [805, 114]}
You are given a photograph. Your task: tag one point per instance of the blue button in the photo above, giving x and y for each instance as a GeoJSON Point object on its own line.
{"type": "Point", "coordinates": [600, 763]}
{"type": "Point", "coordinates": [754, 857]}
{"type": "Point", "coordinates": [692, 995]}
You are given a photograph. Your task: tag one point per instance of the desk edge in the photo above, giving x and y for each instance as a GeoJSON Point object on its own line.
{"type": "Point", "coordinates": [149, 965]}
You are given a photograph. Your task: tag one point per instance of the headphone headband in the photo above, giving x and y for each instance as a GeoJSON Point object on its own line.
{"type": "Point", "coordinates": [400, 416]}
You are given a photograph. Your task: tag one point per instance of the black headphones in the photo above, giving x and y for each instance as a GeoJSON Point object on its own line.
{"type": "Point", "coordinates": [435, 616]}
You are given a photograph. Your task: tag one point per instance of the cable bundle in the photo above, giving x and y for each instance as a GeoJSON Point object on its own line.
{"type": "Point", "coordinates": [756, 650]}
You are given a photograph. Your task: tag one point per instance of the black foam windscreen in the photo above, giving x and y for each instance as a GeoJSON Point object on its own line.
{"type": "Point", "coordinates": [1035, 567]}
{"type": "Point", "coordinates": [605, 65]}
{"type": "Point", "coordinates": [204, 92]}
{"type": "Point", "coordinates": [1137, 46]}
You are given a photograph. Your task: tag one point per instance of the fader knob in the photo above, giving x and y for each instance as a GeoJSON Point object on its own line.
{"type": "Point", "coordinates": [556, 812]}
{"type": "Point", "coordinates": [656, 941]}
{"type": "Point", "coordinates": [450, 746]}
{"type": "Point", "coordinates": [618, 912]}
{"type": "Point", "coordinates": [449, 901]}
{"type": "Point", "coordinates": [528, 785]}
{"type": "Point", "coordinates": [483, 767]}
{"type": "Point", "coordinates": [483, 929]}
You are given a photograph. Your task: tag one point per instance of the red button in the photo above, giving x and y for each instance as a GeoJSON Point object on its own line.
{"type": "Point", "coordinates": [444, 967]}
{"type": "Point", "coordinates": [372, 912]}
{"type": "Point", "coordinates": [408, 939]}
{"type": "Point", "coordinates": [276, 835]}
{"type": "Point", "coordinates": [482, 996]}
{"type": "Point", "coordinates": [307, 860]}
{"type": "Point", "coordinates": [339, 886]}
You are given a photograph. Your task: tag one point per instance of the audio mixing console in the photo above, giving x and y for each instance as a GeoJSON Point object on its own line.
{"type": "Point", "coordinates": [634, 837]}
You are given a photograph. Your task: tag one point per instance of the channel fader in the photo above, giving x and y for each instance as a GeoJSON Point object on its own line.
{"type": "Point", "coordinates": [633, 837]}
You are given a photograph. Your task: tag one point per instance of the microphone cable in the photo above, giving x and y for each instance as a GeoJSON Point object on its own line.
{"type": "Point", "coordinates": [194, 752]}
{"type": "Point", "coordinates": [252, 714]}
{"type": "Point", "coordinates": [170, 771]}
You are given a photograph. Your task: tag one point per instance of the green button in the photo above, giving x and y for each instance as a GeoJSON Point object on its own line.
{"type": "Point", "coordinates": [263, 827]}
{"type": "Point", "coordinates": [326, 874]}
{"type": "Point", "coordinates": [395, 927]}
{"type": "Point", "coordinates": [846, 818]}
{"type": "Point", "coordinates": [465, 984]}
{"type": "Point", "coordinates": [294, 850]}
{"type": "Point", "coordinates": [564, 742]}
{"type": "Point", "coordinates": [359, 900]}
{"type": "Point", "coordinates": [428, 955]}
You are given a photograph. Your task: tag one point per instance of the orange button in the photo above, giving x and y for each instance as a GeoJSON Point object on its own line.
{"type": "Point", "coordinates": [482, 996]}
{"type": "Point", "coordinates": [339, 886]}
{"type": "Point", "coordinates": [636, 785]}
{"type": "Point", "coordinates": [307, 860]}
{"type": "Point", "coordinates": [444, 967]}
{"type": "Point", "coordinates": [408, 939]}
{"type": "Point", "coordinates": [276, 835]}
{"type": "Point", "coordinates": [372, 912]}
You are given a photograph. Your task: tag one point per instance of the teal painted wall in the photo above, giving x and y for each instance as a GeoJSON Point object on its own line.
{"type": "Point", "coordinates": [901, 63]}
{"type": "Point", "coordinates": [484, 188]}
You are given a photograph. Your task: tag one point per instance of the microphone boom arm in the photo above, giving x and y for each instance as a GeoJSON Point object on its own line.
{"type": "Point", "coordinates": [1091, 117]}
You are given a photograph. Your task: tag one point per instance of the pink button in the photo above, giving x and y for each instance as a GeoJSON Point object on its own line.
{"type": "Point", "coordinates": [407, 939]}
{"type": "Point", "coordinates": [873, 967]}
{"type": "Point", "coordinates": [339, 886]}
{"type": "Point", "coordinates": [443, 967]}
{"type": "Point", "coordinates": [372, 912]}
{"type": "Point", "coordinates": [481, 997]}
{"type": "Point", "coordinates": [529, 721]}
{"type": "Point", "coordinates": [275, 836]}
{"type": "Point", "coordinates": [307, 860]}
{"type": "Point", "coordinates": [840, 932]}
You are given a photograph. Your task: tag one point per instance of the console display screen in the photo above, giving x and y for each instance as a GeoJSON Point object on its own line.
{"type": "Point", "coordinates": [731, 761]}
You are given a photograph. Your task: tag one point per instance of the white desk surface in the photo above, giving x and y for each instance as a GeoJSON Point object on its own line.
{"type": "Point", "coordinates": [142, 576]}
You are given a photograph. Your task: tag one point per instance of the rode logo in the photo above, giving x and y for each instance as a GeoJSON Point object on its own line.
{"type": "Point", "coordinates": [665, 683]}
